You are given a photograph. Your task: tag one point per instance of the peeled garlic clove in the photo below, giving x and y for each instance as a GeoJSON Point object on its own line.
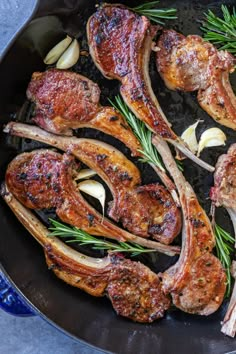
{"type": "Point", "coordinates": [55, 53]}
{"type": "Point", "coordinates": [85, 173]}
{"type": "Point", "coordinates": [211, 137]}
{"type": "Point", "coordinates": [95, 189]}
{"type": "Point", "coordinates": [70, 56]}
{"type": "Point", "coordinates": [189, 137]}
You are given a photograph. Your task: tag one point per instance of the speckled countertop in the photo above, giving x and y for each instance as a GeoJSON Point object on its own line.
{"type": "Point", "coordinates": [30, 335]}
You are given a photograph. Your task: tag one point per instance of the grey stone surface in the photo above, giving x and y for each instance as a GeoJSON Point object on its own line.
{"type": "Point", "coordinates": [30, 335]}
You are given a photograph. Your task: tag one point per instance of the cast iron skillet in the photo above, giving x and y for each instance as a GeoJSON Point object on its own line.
{"type": "Point", "coordinates": [78, 314]}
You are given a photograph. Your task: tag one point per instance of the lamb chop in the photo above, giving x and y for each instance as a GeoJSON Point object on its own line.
{"type": "Point", "coordinates": [134, 290]}
{"type": "Point", "coordinates": [190, 64]}
{"type": "Point", "coordinates": [120, 44]}
{"type": "Point", "coordinates": [229, 321]}
{"type": "Point", "coordinates": [44, 179]}
{"type": "Point", "coordinates": [147, 211]}
{"type": "Point", "coordinates": [223, 194]}
{"type": "Point", "coordinates": [197, 282]}
{"type": "Point", "coordinates": [65, 100]}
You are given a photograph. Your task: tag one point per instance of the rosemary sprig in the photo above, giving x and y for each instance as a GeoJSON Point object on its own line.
{"type": "Point", "coordinates": [224, 249]}
{"type": "Point", "coordinates": [149, 10]}
{"type": "Point", "coordinates": [142, 133]}
{"type": "Point", "coordinates": [83, 238]}
{"type": "Point", "coordinates": [221, 31]}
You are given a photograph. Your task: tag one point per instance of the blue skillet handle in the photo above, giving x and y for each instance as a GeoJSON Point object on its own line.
{"type": "Point", "coordinates": [11, 301]}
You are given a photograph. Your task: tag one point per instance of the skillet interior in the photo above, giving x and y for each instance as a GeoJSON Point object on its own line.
{"type": "Point", "coordinates": [87, 318]}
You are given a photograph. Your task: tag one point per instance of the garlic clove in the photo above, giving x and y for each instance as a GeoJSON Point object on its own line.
{"type": "Point", "coordinates": [211, 137]}
{"type": "Point", "coordinates": [95, 189]}
{"type": "Point", "coordinates": [85, 173]}
{"type": "Point", "coordinates": [70, 56]}
{"type": "Point", "coordinates": [189, 137]}
{"type": "Point", "coordinates": [55, 53]}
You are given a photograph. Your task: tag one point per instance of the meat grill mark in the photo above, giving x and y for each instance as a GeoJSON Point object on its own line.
{"type": "Point", "coordinates": [134, 290]}
{"type": "Point", "coordinates": [74, 210]}
{"type": "Point", "coordinates": [190, 64]}
{"type": "Point", "coordinates": [65, 100]}
{"type": "Point", "coordinates": [124, 55]}
{"type": "Point", "coordinates": [197, 282]}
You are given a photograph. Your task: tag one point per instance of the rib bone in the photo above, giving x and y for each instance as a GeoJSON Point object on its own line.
{"type": "Point", "coordinates": [139, 298]}
{"type": "Point", "coordinates": [197, 281]}
{"type": "Point", "coordinates": [120, 44]}
{"type": "Point", "coordinates": [145, 213]}
{"type": "Point", "coordinates": [223, 194]}
{"type": "Point", "coordinates": [65, 100]}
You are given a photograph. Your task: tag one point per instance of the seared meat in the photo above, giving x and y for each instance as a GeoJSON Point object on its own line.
{"type": "Point", "coordinates": [146, 211]}
{"type": "Point", "coordinates": [134, 290]}
{"type": "Point", "coordinates": [65, 100]}
{"type": "Point", "coordinates": [223, 194]}
{"type": "Point", "coordinates": [224, 191]}
{"type": "Point", "coordinates": [197, 282]}
{"type": "Point", "coordinates": [229, 322]}
{"type": "Point", "coordinates": [190, 64]}
{"type": "Point", "coordinates": [44, 179]}
{"type": "Point", "coordinates": [120, 43]}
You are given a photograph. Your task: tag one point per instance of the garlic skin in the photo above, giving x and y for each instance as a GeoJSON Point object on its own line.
{"type": "Point", "coordinates": [85, 173]}
{"type": "Point", "coordinates": [211, 137]}
{"type": "Point", "coordinates": [189, 137]}
{"type": "Point", "coordinates": [95, 189]}
{"type": "Point", "coordinates": [70, 56]}
{"type": "Point", "coordinates": [55, 53]}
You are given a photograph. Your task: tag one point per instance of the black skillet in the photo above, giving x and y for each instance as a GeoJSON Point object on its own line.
{"type": "Point", "coordinates": [78, 314]}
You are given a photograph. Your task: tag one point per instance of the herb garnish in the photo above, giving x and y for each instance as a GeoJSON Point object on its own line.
{"type": "Point", "coordinates": [224, 249]}
{"type": "Point", "coordinates": [83, 238]}
{"type": "Point", "coordinates": [142, 133]}
{"type": "Point", "coordinates": [221, 31]}
{"type": "Point", "coordinates": [149, 10]}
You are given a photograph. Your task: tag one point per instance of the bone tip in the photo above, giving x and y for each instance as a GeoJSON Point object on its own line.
{"type": "Point", "coordinates": [4, 192]}
{"type": "Point", "coordinates": [7, 128]}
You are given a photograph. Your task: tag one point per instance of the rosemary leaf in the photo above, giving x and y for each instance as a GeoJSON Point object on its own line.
{"type": "Point", "coordinates": [221, 31]}
{"type": "Point", "coordinates": [224, 249]}
{"type": "Point", "coordinates": [143, 134]}
{"type": "Point", "coordinates": [149, 10]}
{"type": "Point", "coordinates": [74, 234]}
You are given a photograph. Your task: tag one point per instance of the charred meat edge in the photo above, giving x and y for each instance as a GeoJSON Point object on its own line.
{"type": "Point", "coordinates": [56, 116]}
{"type": "Point", "coordinates": [135, 77]}
{"type": "Point", "coordinates": [197, 282]}
{"type": "Point", "coordinates": [223, 194]}
{"type": "Point", "coordinates": [79, 107]}
{"type": "Point", "coordinates": [134, 290]}
{"type": "Point", "coordinates": [190, 64]}
{"type": "Point", "coordinates": [72, 145]}
{"type": "Point", "coordinates": [45, 179]}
